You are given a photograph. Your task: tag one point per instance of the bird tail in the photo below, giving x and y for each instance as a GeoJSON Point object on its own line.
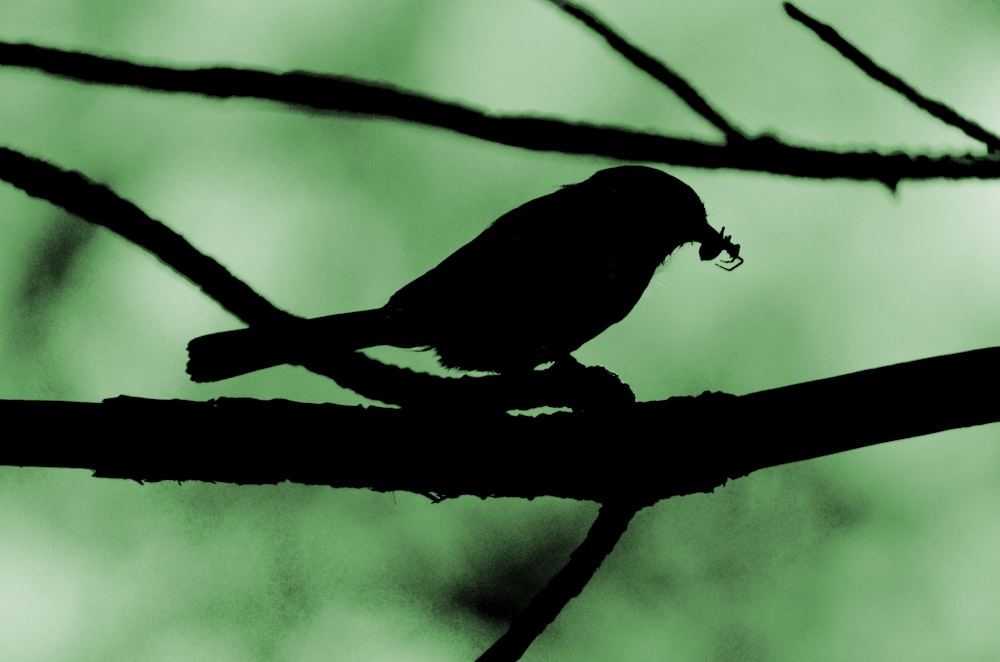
{"type": "Point", "coordinates": [229, 354]}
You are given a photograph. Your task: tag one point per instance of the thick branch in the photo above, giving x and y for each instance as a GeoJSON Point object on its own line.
{"type": "Point", "coordinates": [715, 437]}
{"type": "Point", "coordinates": [347, 95]}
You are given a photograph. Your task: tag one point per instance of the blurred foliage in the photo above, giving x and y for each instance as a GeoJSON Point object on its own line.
{"type": "Point", "coordinates": [880, 554]}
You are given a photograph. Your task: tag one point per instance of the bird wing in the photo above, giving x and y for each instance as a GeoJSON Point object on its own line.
{"type": "Point", "coordinates": [508, 259]}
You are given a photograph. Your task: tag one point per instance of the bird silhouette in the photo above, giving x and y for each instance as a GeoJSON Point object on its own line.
{"type": "Point", "coordinates": [534, 286]}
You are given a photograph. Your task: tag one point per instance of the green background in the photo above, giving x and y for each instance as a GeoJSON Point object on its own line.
{"type": "Point", "coordinates": [885, 553]}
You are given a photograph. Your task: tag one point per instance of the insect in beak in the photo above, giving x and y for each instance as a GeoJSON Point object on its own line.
{"type": "Point", "coordinates": [731, 263]}
{"type": "Point", "coordinates": [723, 243]}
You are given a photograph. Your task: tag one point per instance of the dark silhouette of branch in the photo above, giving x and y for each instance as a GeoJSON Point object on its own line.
{"type": "Point", "coordinates": [569, 582]}
{"type": "Point", "coordinates": [658, 70]}
{"type": "Point", "coordinates": [347, 95]}
{"type": "Point", "coordinates": [698, 442]}
{"type": "Point", "coordinates": [937, 109]}
{"type": "Point", "coordinates": [100, 205]}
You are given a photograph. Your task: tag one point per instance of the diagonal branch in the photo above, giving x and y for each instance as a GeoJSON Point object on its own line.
{"type": "Point", "coordinates": [100, 205]}
{"type": "Point", "coordinates": [935, 108]}
{"type": "Point", "coordinates": [658, 70]}
{"type": "Point", "coordinates": [569, 582]}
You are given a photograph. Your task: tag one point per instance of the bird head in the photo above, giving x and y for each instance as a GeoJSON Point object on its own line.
{"type": "Point", "coordinates": [665, 212]}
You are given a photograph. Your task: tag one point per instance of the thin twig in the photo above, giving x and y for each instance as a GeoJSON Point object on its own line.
{"type": "Point", "coordinates": [100, 205]}
{"type": "Point", "coordinates": [604, 534]}
{"type": "Point", "coordinates": [937, 109]}
{"type": "Point", "coordinates": [654, 67]}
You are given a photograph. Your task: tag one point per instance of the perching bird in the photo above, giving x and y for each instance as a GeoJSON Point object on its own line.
{"type": "Point", "coordinates": [535, 285]}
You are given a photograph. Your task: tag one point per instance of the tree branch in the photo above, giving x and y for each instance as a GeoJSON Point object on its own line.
{"type": "Point", "coordinates": [879, 73]}
{"type": "Point", "coordinates": [709, 439]}
{"type": "Point", "coordinates": [611, 523]}
{"type": "Point", "coordinates": [100, 205]}
{"type": "Point", "coordinates": [347, 95]}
